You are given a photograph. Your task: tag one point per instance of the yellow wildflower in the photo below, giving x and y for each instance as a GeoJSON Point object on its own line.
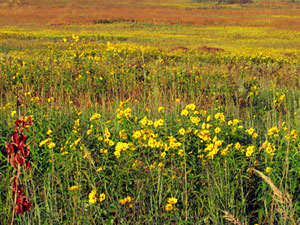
{"type": "Point", "coordinates": [128, 199]}
{"type": "Point", "coordinates": [161, 109]}
{"type": "Point", "coordinates": [137, 134]}
{"type": "Point", "coordinates": [92, 197]}
{"type": "Point", "coordinates": [95, 116]}
{"type": "Point", "coordinates": [107, 133]}
{"type": "Point", "coordinates": [250, 131]}
{"type": "Point", "coordinates": [250, 150]}
{"type": "Point", "coordinates": [13, 113]}
{"type": "Point", "coordinates": [181, 131]}
{"type": "Point", "coordinates": [273, 131]}
{"type": "Point", "coordinates": [172, 200]}
{"type": "Point", "coordinates": [44, 142]}
{"type": "Point", "coordinates": [191, 107]}
{"type": "Point", "coordinates": [51, 145]}
{"type": "Point", "coordinates": [102, 197]}
{"type": "Point", "coordinates": [217, 130]}
{"type": "Point", "coordinates": [73, 188]}
{"type": "Point", "coordinates": [208, 119]}
{"type": "Point", "coordinates": [237, 146]}
{"type": "Point", "coordinates": [184, 112]}
{"type": "Point", "coordinates": [169, 207]}
{"type": "Point", "coordinates": [195, 120]}
{"type": "Point", "coordinates": [122, 201]}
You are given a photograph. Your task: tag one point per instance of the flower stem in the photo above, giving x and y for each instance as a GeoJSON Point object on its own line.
{"type": "Point", "coordinates": [16, 192]}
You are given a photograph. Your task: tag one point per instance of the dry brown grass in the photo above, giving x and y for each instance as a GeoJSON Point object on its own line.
{"type": "Point", "coordinates": [230, 218]}
{"type": "Point", "coordinates": [285, 205]}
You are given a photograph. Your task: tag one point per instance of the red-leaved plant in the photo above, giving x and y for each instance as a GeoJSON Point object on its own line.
{"type": "Point", "coordinates": [17, 152]}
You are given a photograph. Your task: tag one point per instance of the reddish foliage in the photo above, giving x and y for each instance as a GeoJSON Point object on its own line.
{"type": "Point", "coordinates": [180, 48]}
{"type": "Point", "coordinates": [210, 49]}
{"type": "Point", "coordinates": [22, 204]}
{"type": "Point", "coordinates": [17, 152]}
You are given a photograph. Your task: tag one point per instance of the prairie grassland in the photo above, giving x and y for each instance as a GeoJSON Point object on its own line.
{"type": "Point", "coordinates": [153, 123]}
{"type": "Point", "coordinates": [275, 14]}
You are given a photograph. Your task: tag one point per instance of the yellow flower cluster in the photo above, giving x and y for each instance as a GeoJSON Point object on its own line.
{"type": "Point", "coordinates": [250, 150]}
{"type": "Point", "coordinates": [95, 116]}
{"type": "Point", "coordinates": [127, 113]}
{"type": "Point", "coordinates": [220, 117]}
{"type": "Point", "coordinates": [123, 134]}
{"type": "Point", "coordinates": [47, 142]}
{"type": "Point", "coordinates": [73, 188]}
{"type": "Point", "coordinates": [120, 146]}
{"type": "Point", "coordinates": [171, 201]}
{"type": "Point", "coordinates": [76, 128]}
{"type": "Point", "coordinates": [159, 122]}
{"type": "Point", "coordinates": [93, 197]}
{"type": "Point", "coordinates": [273, 132]}
{"type": "Point", "coordinates": [292, 135]}
{"type": "Point", "coordinates": [126, 200]}
{"type": "Point", "coordinates": [251, 131]}
{"type": "Point", "coordinates": [195, 120]}
{"type": "Point", "coordinates": [213, 148]}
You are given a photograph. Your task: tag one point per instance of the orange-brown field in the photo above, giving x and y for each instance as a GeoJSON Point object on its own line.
{"type": "Point", "coordinates": [281, 15]}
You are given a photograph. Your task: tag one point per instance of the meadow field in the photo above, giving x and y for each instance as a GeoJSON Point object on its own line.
{"type": "Point", "coordinates": [149, 112]}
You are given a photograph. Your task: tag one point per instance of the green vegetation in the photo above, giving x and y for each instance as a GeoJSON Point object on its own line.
{"type": "Point", "coordinates": [153, 124]}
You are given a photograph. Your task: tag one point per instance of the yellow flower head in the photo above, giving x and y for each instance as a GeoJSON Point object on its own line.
{"type": "Point", "coordinates": [184, 112]}
{"type": "Point", "coordinates": [249, 151]}
{"type": "Point", "coordinates": [13, 113]}
{"type": "Point", "coordinates": [237, 146]}
{"type": "Point", "coordinates": [161, 109]}
{"type": "Point", "coordinates": [102, 197]}
{"type": "Point", "coordinates": [122, 201]}
{"type": "Point", "coordinates": [44, 142]}
{"type": "Point", "coordinates": [181, 131]}
{"type": "Point", "coordinates": [95, 116]}
{"type": "Point", "coordinates": [128, 199]}
{"type": "Point", "coordinates": [169, 207]}
{"type": "Point", "coordinates": [73, 188]}
{"type": "Point", "coordinates": [172, 200]}
{"type": "Point", "coordinates": [92, 197]}
{"type": "Point", "coordinates": [250, 131]}
{"type": "Point", "coordinates": [137, 134]}
{"type": "Point", "coordinates": [191, 107]}
{"type": "Point", "coordinates": [51, 145]}
{"type": "Point", "coordinates": [163, 155]}
{"type": "Point", "coordinates": [217, 130]}
{"type": "Point", "coordinates": [268, 169]}
{"type": "Point", "coordinates": [208, 119]}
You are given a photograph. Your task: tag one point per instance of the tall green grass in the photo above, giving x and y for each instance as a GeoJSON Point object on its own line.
{"type": "Point", "coordinates": [66, 82]}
